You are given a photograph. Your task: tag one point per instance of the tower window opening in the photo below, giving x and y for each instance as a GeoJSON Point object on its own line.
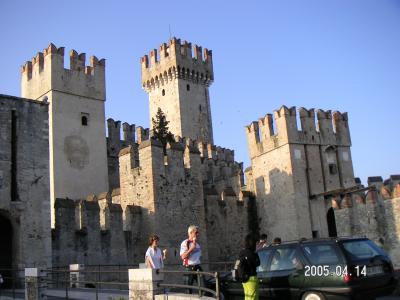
{"type": "Point", "coordinates": [188, 87]}
{"type": "Point", "coordinates": [163, 92]}
{"type": "Point", "coordinates": [332, 169]}
{"type": "Point", "coordinates": [84, 119]}
{"type": "Point", "coordinates": [199, 107]}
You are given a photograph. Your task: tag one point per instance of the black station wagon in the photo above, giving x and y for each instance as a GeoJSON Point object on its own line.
{"type": "Point", "coordinates": [333, 268]}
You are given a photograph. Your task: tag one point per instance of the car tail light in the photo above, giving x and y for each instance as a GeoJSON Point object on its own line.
{"type": "Point", "coordinates": [347, 278]}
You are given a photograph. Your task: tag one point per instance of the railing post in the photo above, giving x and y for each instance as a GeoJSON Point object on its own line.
{"type": "Point", "coordinates": [198, 282]}
{"type": "Point", "coordinates": [97, 283]}
{"type": "Point", "coordinates": [143, 284]}
{"type": "Point", "coordinates": [217, 285]}
{"type": "Point", "coordinates": [13, 278]}
{"type": "Point", "coordinates": [99, 277]}
{"type": "Point", "coordinates": [66, 284]}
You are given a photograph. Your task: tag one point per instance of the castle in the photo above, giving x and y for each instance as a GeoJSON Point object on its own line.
{"type": "Point", "coordinates": [79, 196]}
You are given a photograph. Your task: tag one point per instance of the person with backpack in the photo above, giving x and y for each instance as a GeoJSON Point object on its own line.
{"type": "Point", "coordinates": [190, 253]}
{"type": "Point", "coordinates": [246, 268]}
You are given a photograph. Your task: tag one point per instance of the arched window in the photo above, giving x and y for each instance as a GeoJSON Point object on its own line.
{"type": "Point", "coordinates": [84, 119]}
{"type": "Point", "coordinates": [163, 92]}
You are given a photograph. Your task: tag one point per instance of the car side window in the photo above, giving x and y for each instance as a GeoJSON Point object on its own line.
{"type": "Point", "coordinates": [322, 254]}
{"type": "Point", "coordinates": [264, 255]}
{"type": "Point", "coordinates": [285, 259]}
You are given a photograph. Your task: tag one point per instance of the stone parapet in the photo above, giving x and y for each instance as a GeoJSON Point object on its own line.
{"type": "Point", "coordinates": [175, 61]}
{"type": "Point", "coordinates": [273, 131]}
{"type": "Point", "coordinates": [46, 72]}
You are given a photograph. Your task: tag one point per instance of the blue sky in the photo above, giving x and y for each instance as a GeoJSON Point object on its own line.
{"type": "Point", "coordinates": [340, 54]}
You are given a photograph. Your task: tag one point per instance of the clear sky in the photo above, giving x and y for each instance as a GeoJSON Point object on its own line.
{"type": "Point", "coordinates": [340, 54]}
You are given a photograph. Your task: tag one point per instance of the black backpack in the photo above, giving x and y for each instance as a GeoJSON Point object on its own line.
{"type": "Point", "coordinates": [241, 270]}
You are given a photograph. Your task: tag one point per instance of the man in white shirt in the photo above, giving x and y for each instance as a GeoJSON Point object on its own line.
{"type": "Point", "coordinates": [191, 253]}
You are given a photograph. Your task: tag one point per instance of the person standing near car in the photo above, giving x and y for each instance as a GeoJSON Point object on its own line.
{"type": "Point", "coordinates": [262, 243]}
{"type": "Point", "coordinates": [191, 253]}
{"type": "Point", "coordinates": [250, 287]}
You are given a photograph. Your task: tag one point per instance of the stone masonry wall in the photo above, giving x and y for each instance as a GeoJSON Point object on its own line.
{"type": "Point", "coordinates": [375, 214]}
{"type": "Point", "coordinates": [291, 167]}
{"type": "Point", "coordinates": [157, 194]}
{"type": "Point", "coordinates": [28, 207]}
{"type": "Point", "coordinates": [76, 97]}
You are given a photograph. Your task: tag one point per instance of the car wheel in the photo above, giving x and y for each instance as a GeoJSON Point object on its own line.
{"type": "Point", "coordinates": [312, 296]}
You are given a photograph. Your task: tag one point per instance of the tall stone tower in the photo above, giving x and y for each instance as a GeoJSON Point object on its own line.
{"type": "Point", "coordinates": [295, 171]}
{"type": "Point", "coordinates": [76, 97]}
{"type": "Point", "coordinates": [178, 84]}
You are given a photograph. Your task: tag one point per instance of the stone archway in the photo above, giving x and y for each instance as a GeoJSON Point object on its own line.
{"type": "Point", "coordinates": [6, 249]}
{"type": "Point", "coordinates": [330, 218]}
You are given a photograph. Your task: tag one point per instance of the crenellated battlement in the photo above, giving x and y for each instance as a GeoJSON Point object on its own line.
{"type": "Point", "coordinates": [175, 60]}
{"type": "Point", "coordinates": [380, 190]}
{"type": "Point", "coordinates": [46, 72]}
{"type": "Point", "coordinates": [374, 214]}
{"type": "Point", "coordinates": [271, 132]}
{"type": "Point", "coordinates": [92, 214]}
{"type": "Point", "coordinates": [130, 135]}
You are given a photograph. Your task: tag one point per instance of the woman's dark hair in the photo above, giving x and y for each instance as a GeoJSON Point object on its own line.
{"type": "Point", "coordinates": [250, 242]}
{"type": "Point", "coordinates": [152, 238]}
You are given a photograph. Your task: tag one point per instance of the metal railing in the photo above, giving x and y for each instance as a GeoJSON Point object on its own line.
{"type": "Point", "coordinates": [104, 277]}
{"type": "Point", "coordinates": [95, 282]}
{"type": "Point", "coordinates": [199, 276]}
{"type": "Point", "coordinates": [98, 273]}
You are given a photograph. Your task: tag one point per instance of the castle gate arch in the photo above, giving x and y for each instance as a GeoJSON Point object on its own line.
{"type": "Point", "coordinates": [6, 247]}
{"type": "Point", "coordinates": [330, 218]}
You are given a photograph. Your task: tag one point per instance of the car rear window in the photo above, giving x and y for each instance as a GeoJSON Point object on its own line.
{"type": "Point", "coordinates": [362, 249]}
{"type": "Point", "coordinates": [322, 254]}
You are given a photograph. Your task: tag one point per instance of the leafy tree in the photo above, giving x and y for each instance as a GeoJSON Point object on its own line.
{"type": "Point", "coordinates": [160, 129]}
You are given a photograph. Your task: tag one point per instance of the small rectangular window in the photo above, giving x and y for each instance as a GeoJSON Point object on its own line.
{"type": "Point", "coordinates": [84, 119]}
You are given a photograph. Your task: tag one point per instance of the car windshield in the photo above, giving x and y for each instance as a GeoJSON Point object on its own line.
{"type": "Point", "coordinates": [322, 254]}
{"type": "Point", "coordinates": [362, 249]}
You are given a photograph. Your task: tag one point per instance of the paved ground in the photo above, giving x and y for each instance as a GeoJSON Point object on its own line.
{"type": "Point", "coordinates": [89, 294]}
{"type": "Point", "coordinates": [74, 294]}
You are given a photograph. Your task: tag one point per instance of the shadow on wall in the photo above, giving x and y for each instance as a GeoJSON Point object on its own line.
{"type": "Point", "coordinates": [276, 204]}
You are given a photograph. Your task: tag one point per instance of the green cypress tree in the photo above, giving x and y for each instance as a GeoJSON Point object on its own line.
{"type": "Point", "coordinates": [160, 129]}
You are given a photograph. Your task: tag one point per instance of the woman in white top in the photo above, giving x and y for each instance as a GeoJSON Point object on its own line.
{"type": "Point", "coordinates": [154, 257]}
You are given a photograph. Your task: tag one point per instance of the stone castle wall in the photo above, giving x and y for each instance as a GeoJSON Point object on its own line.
{"type": "Point", "coordinates": [193, 183]}
{"type": "Point", "coordinates": [374, 214]}
{"type": "Point", "coordinates": [24, 184]}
